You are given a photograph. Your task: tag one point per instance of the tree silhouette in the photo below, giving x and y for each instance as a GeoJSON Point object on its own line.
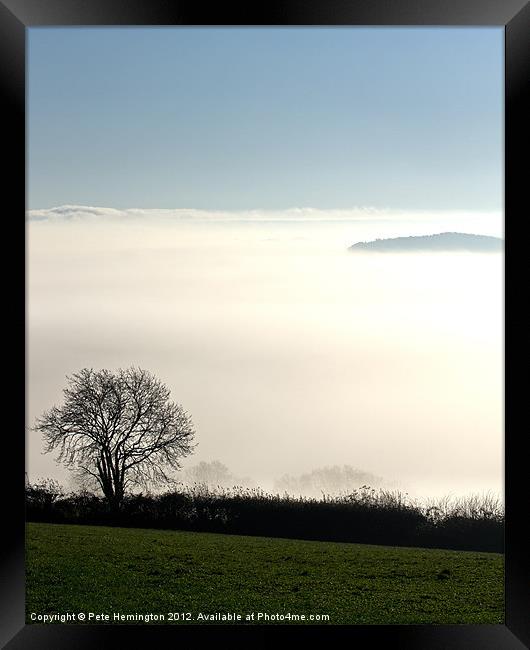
{"type": "Point", "coordinates": [119, 428]}
{"type": "Point", "coordinates": [327, 480]}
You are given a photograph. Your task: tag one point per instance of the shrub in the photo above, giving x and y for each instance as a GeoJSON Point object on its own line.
{"type": "Point", "coordinates": [365, 515]}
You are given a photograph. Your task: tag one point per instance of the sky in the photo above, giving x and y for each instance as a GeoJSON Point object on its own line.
{"type": "Point", "coordinates": [266, 118]}
{"type": "Point", "coordinates": [192, 194]}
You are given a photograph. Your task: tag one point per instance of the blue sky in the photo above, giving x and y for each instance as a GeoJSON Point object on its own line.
{"type": "Point", "coordinates": [266, 118]}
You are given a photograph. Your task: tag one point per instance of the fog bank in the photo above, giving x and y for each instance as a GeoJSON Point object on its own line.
{"type": "Point", "coordinates": [289, 352]}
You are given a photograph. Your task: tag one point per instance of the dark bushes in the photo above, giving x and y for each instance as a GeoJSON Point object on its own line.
{"type": "Point", "coordinates": [364, 516]}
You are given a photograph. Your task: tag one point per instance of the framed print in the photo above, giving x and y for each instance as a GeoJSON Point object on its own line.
{"type": "Point", "coordinates": [267, 306]}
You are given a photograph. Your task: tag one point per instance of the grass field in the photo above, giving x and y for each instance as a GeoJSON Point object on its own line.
{"type": "Point", "coordinates": [100, 570]}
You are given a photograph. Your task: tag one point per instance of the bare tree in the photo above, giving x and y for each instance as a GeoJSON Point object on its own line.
{"type": "Point", "coordinates": [214, 475]}
{"type": "Point", "coordinates": [119, 428]}
{"type": "Point", "coordinates": [327, 480]}
{"type": "Point", "coordinates": [211, 475]}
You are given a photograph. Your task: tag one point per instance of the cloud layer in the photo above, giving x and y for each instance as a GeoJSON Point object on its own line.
{"type": "Point", "coordinates": [483, 222]}
{"type": "Point", "coordinates": [289, 352]}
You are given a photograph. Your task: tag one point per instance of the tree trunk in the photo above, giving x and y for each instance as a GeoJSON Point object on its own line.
{"type": "Point", "coordinates": [113, 489]}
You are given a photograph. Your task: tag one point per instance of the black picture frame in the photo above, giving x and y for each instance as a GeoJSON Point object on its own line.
{"type": "Point", "coordinates": [514, 15]}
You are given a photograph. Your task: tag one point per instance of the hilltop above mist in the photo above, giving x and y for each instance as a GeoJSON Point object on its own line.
{"type": "Point", "coordinates": [442, 242]}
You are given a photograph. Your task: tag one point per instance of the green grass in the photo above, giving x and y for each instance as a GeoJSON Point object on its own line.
{"type": "Point", "coordinates": [125, 570]}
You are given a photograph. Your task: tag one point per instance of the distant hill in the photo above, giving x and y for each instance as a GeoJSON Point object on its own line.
{"type": "Point", "coordinates": [445, 241]}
